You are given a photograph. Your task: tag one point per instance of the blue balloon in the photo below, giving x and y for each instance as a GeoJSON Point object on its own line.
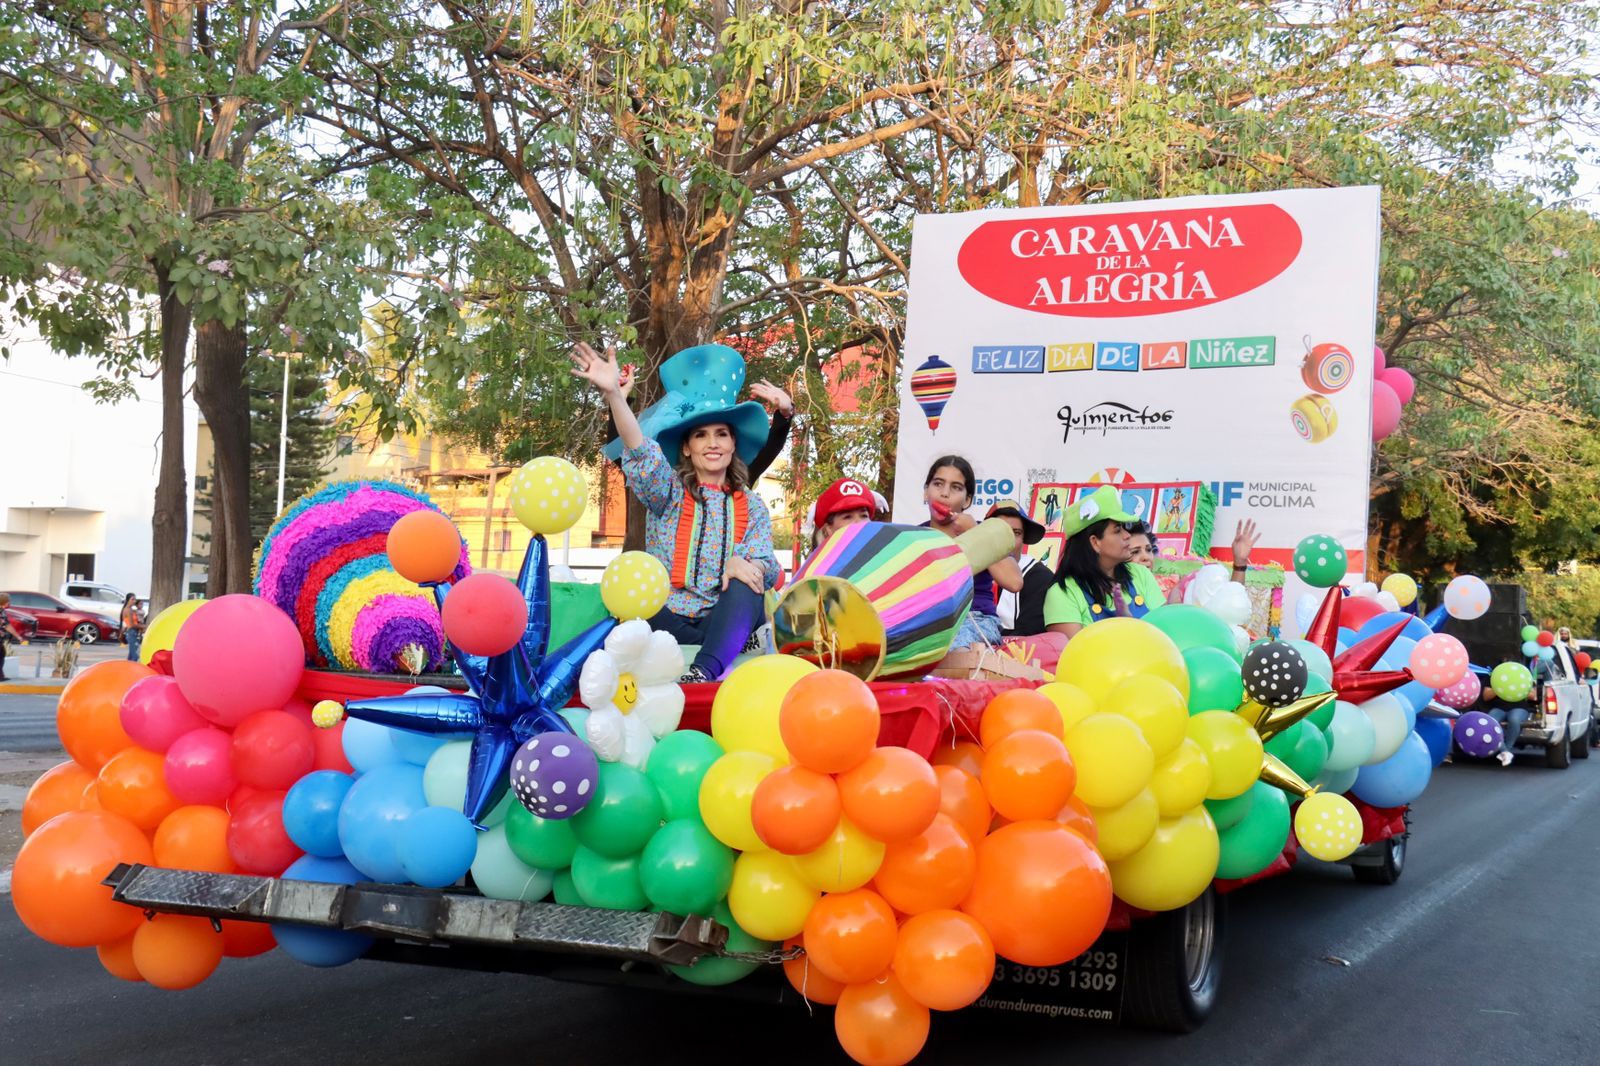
{"type": "Point", "coordinates": [1317, 661]}
{"type": "Point", "coordinates": [1436, 617]}
{"type": "Point", "coordinates": [311, 812]}
{"type": "Point", "coordinates": [437, 846]}
{"type": "Point", "coordinates": [1530, 649]}
{"type": "Point", "coordinates": [1399, 779]}
{"type": "Point", "coordinates": [415, 747]}
{"type": "Point", "coordinates": [1415, 628]}
{"type": "Point", "coordinates": [371, 817]}
{"type": "Point", "coordinates": [1547, 653]}
{"type": "Point", "coordinates": [368, 746]}
{"type": "Point", "coordinates": [1435, 733]}
{"type": "Point", "coordinates": [321, 947]}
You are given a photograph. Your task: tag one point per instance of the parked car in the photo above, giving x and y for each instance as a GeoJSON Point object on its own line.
{"type": "Point", "coordinates": [22, 622]}
{"type": "Point", "coordinates": [57, 618]}
{"type": "Point", "coordinates": [95, 597]}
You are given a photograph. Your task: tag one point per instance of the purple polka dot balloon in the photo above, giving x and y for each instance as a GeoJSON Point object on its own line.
{"type": "Point", "coordinates": [553, 775]}
{"type": "Point", "coordinates": [1478, 735]}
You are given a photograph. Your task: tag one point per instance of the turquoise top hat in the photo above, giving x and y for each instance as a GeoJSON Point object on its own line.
{"type": "Point", "coordinates": [701, 385]}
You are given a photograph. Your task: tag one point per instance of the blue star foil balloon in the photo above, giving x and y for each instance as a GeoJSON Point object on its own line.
{"type": "Point", "coordinates": [514, 696]}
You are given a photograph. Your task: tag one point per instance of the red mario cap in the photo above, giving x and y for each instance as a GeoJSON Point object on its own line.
{"type": "Point", "coordinates": [846, 494]}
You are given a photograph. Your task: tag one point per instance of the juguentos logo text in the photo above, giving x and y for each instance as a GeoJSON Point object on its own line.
{"type": "Point", "coordinates": [1110, 415]}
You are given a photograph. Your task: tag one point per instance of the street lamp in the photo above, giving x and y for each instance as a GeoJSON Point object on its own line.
{"type": "Point", "coordinates": [283, 427]}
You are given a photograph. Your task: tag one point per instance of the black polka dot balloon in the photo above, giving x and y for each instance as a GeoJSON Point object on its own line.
{"type": "Point", "coordinates": [1275, 673]}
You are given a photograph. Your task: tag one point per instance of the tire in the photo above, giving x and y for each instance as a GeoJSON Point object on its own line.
{"type": "Point", "coordinates": [1580, 747]}
{"type": "Point", "coordinates": [1175, 966]}
{"type": "Point", "coordinates": [1558, 756]}
{"type": "Point", "coordinates": [1394, 863]}
{"type": "Point", "coordinates": [85, 632]}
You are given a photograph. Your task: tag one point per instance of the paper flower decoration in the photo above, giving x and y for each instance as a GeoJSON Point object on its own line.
{"type": "Point", "coordinates": [630, 687]}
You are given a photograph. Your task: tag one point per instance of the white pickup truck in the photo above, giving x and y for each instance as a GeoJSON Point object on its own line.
{"type": "Point", "coordinates": [1562, 717]}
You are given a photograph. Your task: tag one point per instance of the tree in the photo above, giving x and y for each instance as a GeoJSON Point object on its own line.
{"type": "Point", "coordinates": [310, 433]}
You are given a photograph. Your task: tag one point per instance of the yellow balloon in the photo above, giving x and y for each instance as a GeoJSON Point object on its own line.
{"type": "Point", "coordinates": [1232, 748]}
{"type": "Point", "coordinates": [1402, 588]}
{"type": "Point", "coordinates": [744, 712]}
{"type": "Point", "coordinates": [1114, 760]}
{"type": "Point", "coordinates": [768, 897]}
{"type": "Point", "coordinates": [549, 495]}
{"type": "Point", "coordinates": [1100, 657]}
{"type": "Point", "coordinates": [725, 794]}
{"type": "Point", "coordinates": [1174, 868]}
{"type": "Point", "coordinates": [1159, 710]}
{"type": "Point", "coordinates": [1181, 779]}
{"type": "Point", "coordinates": [847, 861]}
{"type": "Point", "coordinates": [162, 632]}
{"type": "Point", "coordinates": [1327, 826]}
{"type": "Point", "coordinates": [634, 585]}
{"type": "Point", "coordinates": [1124, 830]}
{"type": "Point", "coordinates": [1074, 703]}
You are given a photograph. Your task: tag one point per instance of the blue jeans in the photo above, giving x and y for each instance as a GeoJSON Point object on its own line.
{"type": "Point", "coordinates": [977, 628]}
{"type": "Point", "coordinates": [1511, 719]}
{"type": "Point", "coordinates": [721, 632]}
{"type": "Point", "coordinates": [134, 637]}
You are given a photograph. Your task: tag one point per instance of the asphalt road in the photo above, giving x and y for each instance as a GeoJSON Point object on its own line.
{"type": "Point", "coordinates": [1485, 951]}
{"type": "Point", "coordinates": [28, 724]}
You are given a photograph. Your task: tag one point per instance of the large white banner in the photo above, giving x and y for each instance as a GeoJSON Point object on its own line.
{"type": "Point", "coordinates": [1219, 339]}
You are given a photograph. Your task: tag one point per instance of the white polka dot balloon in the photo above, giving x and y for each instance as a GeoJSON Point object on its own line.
{"type": "Point", "coordinates": [549, 495]}
{"type": "Point", "coordinates": [1467, 597]}
{"type": "Point", "coordinates": [634, 585]}
{"type": "Point", "coordinates": [554, 774]}
{"type": "Point", "coordinates": [1439, 661]}
{"type": "Point", "coordinates": [1327, 826]}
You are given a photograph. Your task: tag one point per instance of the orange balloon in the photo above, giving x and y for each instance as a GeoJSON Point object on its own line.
{"type": "Point", "coordinates": [850, 935]}
{"type": "Point", "coordinates": [961, 797]}
{"type": "Point", "coordinates": [89, 714]}
{"type": "Point", "coordinates": [133, 784]}
{"type": "Point", "coordinates": [176, 951]}
{"type": "Point", "coordinates": [829, 721]}
{"type": "Point", "coordinates": [91, 797]}
{"type": "Point", "coordinates": [56, 791]}
{"type": "Point", "coordinates": [810, 982]}
{"type": "Point", "coordinates": [1028, 774]}
{"type": "Point", "coordinates": [879, 1024]}
{"type": "Point", "coordinates": [963, 755]}
{"type": "Point", "coordinates": [424, 546]}
{"type": "Point", "coordinates": [1076, 817]}
{"type": "Point", "coordinates": [1042, 892]}
{"type": "Point", "coordinates": [892, 795]}
{"type": "Point", "coordinates": [944, 959]}
{"type": "Point", "coordinates": [795, 810]}
{"type": "Point", "coordinates": [1015, 709]}
{"type": "Point", "coordinates": [55, 883]}
{"type": "Point", "coordinates": [933, 871]}
{"type": "Point", "coordinates": [195, 838]}
{"type": "Point", "coordinates": [241, 940]}
{"type": "Point", "coordinates": [117, 958]}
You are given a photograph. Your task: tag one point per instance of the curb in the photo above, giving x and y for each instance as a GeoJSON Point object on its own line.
{"type": "Point", "coordinates": [31, 690]}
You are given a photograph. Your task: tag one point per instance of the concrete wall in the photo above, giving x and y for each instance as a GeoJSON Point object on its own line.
{"type": "Point", "coordinates": [76, 476]}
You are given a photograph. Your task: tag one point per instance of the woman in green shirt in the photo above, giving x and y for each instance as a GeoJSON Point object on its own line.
{"type": "Point", "coordinates": [1094, 580]}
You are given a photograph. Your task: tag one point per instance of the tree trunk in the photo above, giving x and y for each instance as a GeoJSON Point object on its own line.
{"type": "Point", "coordinates": [169, 525]}
{"type": "Point", "coordinates": [220, 390]}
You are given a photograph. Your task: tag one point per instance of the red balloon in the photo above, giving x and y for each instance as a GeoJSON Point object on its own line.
{"type": "Point", "coordinates": [198, 766]}
{"type": "Point", "coordinates": [1357, 611]}
{"type": "Point", "coordinates": [272, 749]}
{"type": "Point", "coordinates": [1546, 638]}
{"type": "Point", "coordinates": [241, 940]}
{"type": "Point", "coordinates": [299, 708]}
{"type": "Point", "coordinates": [484, 614]}
{"type": "Point", "coordinates": [330, 749]}
{"type": "Point", "coordinates": [1385, 410]}
{"type": "Point", "coordinates": [1582, 661]}
{"type": "Point", "coordinates": [256, 837]}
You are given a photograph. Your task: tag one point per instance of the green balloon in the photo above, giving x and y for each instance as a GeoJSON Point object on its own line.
{"type": "Point", "coordinates": [611, 884]}
{"type": "Point", "coordinates": [1251, 845]}
{"type": "Point", "coordinates": [566, 892]}
{"type": "Point", "coordinates": [1283, 744]}
{"type": "Point", "coordinates": [543, 842]}
{"type": "Point", "coordinates": [1511, 682]}
{"type": "Point", "coordinates": [1530, 632]}
{"type": "Point", "coordinates": [1310, 753]}
{"type": "Point", "coordinates": [624, 813]}
{"type": "Point", "coordinates": [1225, 813]}
{"type": "Point", "coordinates": [1318, 665]}
{"type": "Point", "coordinates": [1320, 561]}
{"type": "Point", "coordinates": [684, 869]}
{"type": "Point", "coordinates": [1193, 627]}
{"type": "Point", "coordinates": [1214, 681]}
{"type": "Point", "coordinates": [714, 970]}
{"type": "Point", "coordinates": [677, 764]}
{"type": "Point", "coordinates": [1322, 717]}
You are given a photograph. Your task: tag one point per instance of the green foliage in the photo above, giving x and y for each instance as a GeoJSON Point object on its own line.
{"type": "Point", "coordinates": [1564, 599]}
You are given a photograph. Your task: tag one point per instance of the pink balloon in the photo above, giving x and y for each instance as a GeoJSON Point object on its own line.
{"type": "Point", "coordinates": [1379, 360]}
{"type": "Point", "coordinates": [1439, 661]}
{"type": "Point", "coordinates": [154, 713]}
{"type": "Point", "coordinates": [199, 766]}
{"type": "Point", "coordinates": [237, 655]}
{"type": "Point", "coordinates": [1385, 416]}
{"type": "Point", "coordinates": [1401, 381]}
{"type": "Point", "coordinates": [1462, 694]}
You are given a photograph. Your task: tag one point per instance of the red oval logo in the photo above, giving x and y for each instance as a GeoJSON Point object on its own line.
{"type": "Point", "coordinates": [1131, 264]}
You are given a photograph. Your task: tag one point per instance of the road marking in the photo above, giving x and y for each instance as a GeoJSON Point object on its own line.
{"type": "Point", "coordinates": [5, 881]}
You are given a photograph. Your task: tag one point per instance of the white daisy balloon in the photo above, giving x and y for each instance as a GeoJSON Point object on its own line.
{"type": "Point", "coordinates": [630, 687]}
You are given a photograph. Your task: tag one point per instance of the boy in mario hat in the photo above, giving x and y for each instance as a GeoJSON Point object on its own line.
{"type": "Point", "coordinates": [843, 503]}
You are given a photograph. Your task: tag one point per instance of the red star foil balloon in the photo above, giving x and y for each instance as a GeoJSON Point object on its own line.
{"type": "Point", "coordinates": [1354, 680]}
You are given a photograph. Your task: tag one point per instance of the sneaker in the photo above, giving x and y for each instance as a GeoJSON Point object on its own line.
{"type": "Point", "coordinates": [759, 641]}
{"type": "Point", "coordinates": [1505, 758]}
{"type": "Point", "coordinates": [695, 676]}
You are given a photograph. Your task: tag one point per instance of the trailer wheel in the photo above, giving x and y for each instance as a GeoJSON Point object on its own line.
{"type": "Point", "coordinates": [1394, 863]}
{"type": "Point", "coordinates": [1175, 966]}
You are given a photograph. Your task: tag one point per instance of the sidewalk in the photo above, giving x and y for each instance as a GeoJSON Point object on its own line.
{"type": "Point", "coordinates": [28, 666]}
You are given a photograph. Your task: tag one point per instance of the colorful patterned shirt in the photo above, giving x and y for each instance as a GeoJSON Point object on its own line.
{"type": "Point", "coordinates": [658, 486]}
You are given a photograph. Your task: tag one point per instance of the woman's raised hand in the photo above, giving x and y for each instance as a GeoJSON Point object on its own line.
{"type": "Point", "coordinates": [601, 371]}
{"type": "Point", "coordinates": [776, 396]}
